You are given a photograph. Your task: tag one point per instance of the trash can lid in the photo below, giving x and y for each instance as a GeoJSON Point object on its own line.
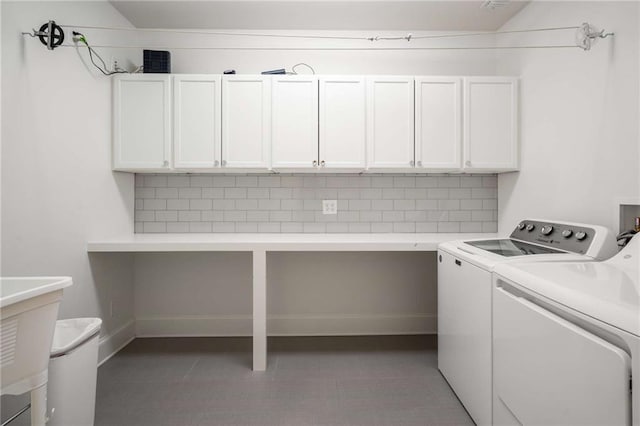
{"type": "Point", "coordinates": [71, 333]}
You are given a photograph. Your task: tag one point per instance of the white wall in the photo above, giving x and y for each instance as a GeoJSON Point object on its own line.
{"type": "Point", "coordinates": [579, 117]}
{"type": "Point", "coordinates": [58, 191]}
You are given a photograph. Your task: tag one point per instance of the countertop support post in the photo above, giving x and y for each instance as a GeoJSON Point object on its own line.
{"type": "Point", "coordinates": [259, 310]}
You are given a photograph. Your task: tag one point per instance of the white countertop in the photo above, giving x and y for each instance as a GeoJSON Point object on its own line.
{"type": "Point", "coordinates": [277, 242]}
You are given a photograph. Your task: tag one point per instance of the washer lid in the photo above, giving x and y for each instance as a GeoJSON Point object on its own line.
{"type": "Point", "coordinates": [601, 290]}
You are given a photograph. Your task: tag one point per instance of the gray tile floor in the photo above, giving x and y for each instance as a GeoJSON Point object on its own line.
{"type": "Point", "coordinates": [382, 380]}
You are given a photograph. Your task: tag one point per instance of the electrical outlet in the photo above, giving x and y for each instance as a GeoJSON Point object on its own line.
{"type": "Point", "coordinates": [329, 206]}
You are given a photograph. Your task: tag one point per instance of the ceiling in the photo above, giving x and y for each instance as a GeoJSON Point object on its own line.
{"type": "Point", "coordinates": [385, 15]}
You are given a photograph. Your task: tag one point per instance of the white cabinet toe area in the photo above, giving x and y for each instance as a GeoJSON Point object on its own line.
{"type": "Point", "coordinates": [309, 123]}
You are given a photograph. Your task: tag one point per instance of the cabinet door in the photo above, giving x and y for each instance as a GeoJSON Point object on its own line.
{"type": "Point", "coordinates": [197, 102]}
{"type": "Point", "coordinates": [438, 123]}
{"type": "Point", "coordinates": [141, 122]}
{"type": "Point", "coordinates": [390, 119]}
{"type": "Point", "coordinates": [342, 122]}
{"type": "Point", "coordinates": [490, 124]}
{"type": "Point", "coordinates": [246, 129]}
{"type": "Point", "coordinates": [295, 122]}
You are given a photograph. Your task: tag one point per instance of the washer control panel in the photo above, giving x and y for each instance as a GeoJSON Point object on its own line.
{"type": "Point", "coordinates": [561, 236]}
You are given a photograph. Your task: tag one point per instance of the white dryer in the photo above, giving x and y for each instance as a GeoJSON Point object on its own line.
{"type": "Point", "coordinates": [465, 297]}
{"type": "Point", "coordinates": [567, 342]}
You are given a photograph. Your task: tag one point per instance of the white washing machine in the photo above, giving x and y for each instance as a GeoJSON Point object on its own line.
{"type": "Point", "coordinates": [567, 342]}
{"type": "Point", "coordinates": [465, 297]}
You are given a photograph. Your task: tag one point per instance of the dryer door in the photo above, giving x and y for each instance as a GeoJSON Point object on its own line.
{"type": "Point", "coordinates": [549, 371]}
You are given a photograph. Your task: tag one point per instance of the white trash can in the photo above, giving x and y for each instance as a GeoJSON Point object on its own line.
{"type": "Point", "coordinates": [73, 369]}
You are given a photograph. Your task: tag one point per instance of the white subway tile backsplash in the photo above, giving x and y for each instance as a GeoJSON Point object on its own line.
{"type": "Point", "coordinates": [337, 227]}
{"type": "Point", "coordinates": [280, 216]}
{"type": "Point", "coordinates": [281, 193]}
{"type": "Point", "coordinates": [166, 193]}
{"type": "Point", "coordinates": [189, 216]}
{"type": "Point", "coordinates": [404, 227]}
{"type": "Point", "coordinates": [145, 216]}
{"type": "Point", "coordinates": [426, 182]}
{"type": "Point", "coordinates": [213, 193]}
{"type": "Point", "coordinates": [426, 227]}
{"type": "Point", "coordinates": [257, 193]}
{"type": "Point", "coordinates": [223, 227]}
{"type": "Point", "coordinates": [449, 182]}
{"type": "Point", "coordinates": [167, 216]}
{"type": "Point", "coordinates": [143, 193]}
{"type": "Point", "coordinates": [177, 204]}
{"type": "Point", "coordinates": [246, 181]}
{"type": "Point", "coordinates": [224, 181]}
{"type": "Point", "coordinates": [448, 227]}
{"type": "Point", "coordinates": [269, 181]}
{"type": "Point", "coordinates": [404, 204]}
{"type": "Point", "coordinates": [200, 227]}
{"type": "Point", "coordinates": [177, 181]}
{"type": "Point", "coordinates": [292, 203]}
{"type": "Point", "coordinates": [177, 227]}
{"type": "Point", "coordinates": [382, 204]}
{"type": "Point", "coordinates": [247, 204]}
{"type": "Point", "coordinates": [291, 227]}
{"type": "Point", "coordinates": [190, 193]}
{"type": "Point", "coordinates": [359, 204]}
{"type": "Point", "coordinates": [269, 227]}
{"type": "Point", "coordinates": [404, 182]}
{"type": "Point", "coordinates": [235, 193]}
{"type": "Point", "coordinates": [258, 216]}
{"type": "Point", "coordinates": [201, 181]}
{"type": "Point", "coordinates": [234, 216]}
{"type": "Point", "coordinates": [154, 227]}
{"type": "Point", "coordinates": [426, 204]}
{"type": "Point", "coordinates": [200, 204]}
{"type": "Point", "coordinates": [471, 181]}
{"type": "Point", "coordinates": [392, 216]}
{"type": "Point", "coordinates": [212, 216]}
{"type": "Point", "coordinates": [393, 194]}
{"type": "Point", "coordinates": [247, 227]}
{"type": "Point", "coordinates": [155, 181]}
{"type": "Point", "coordinates": [382, 182]}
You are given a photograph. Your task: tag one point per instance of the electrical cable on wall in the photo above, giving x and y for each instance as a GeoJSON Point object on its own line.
{"type": "Point", "coordinates": [79, 37]}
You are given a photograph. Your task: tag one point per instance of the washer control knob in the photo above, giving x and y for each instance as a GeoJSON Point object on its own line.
{"type": "Point", "coordinates": [567, 233]}
{"type": "Point", "coordinates": [531, 227]}
{"type": "Point", "coordinates": [581, 235]}
{"type": "Point", "coordinates": [546, 230]}
{"type": "Point", "coordinates": [521, 226]}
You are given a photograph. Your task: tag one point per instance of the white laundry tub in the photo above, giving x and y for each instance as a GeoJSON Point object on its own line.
{"type": "Point", "coordinates": [28, 313]}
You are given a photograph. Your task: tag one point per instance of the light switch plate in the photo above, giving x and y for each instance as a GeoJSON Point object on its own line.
{"type": "Point", "coordinates": [329, 206]}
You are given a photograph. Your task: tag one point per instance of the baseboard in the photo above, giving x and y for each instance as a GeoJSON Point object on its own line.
{"type": "Point", "coordinates": [287, 325]}
{"type": "Point", "coordinates": [113, 343]}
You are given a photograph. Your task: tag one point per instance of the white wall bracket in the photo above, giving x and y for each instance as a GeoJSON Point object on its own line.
{"type": "Point", "coordinates": [587, 34]}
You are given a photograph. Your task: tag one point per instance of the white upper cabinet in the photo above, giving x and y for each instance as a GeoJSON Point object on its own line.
{"type": "Point", "coordinates": [142, 122]}
{"type": "Point", "coordinates": [294, 142]}
{"type": "Point", "coordinates": [438, 123]}
{"type": "Point", "coordinates": [390, 122]}
{"type": "Point", "coordinates": [246, 115]}
{"type": "Point", "coordinates": [490, 124]}
{"type": "Point", "coordinates": [342, 122]}
{"type": "Point", "coordinates": [196, 137]}
{"type": "Point", "coordinates": [309, 123]}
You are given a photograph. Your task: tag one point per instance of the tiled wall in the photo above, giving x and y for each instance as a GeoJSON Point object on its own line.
{"type": "Point", "coordinates": [293, 203]}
